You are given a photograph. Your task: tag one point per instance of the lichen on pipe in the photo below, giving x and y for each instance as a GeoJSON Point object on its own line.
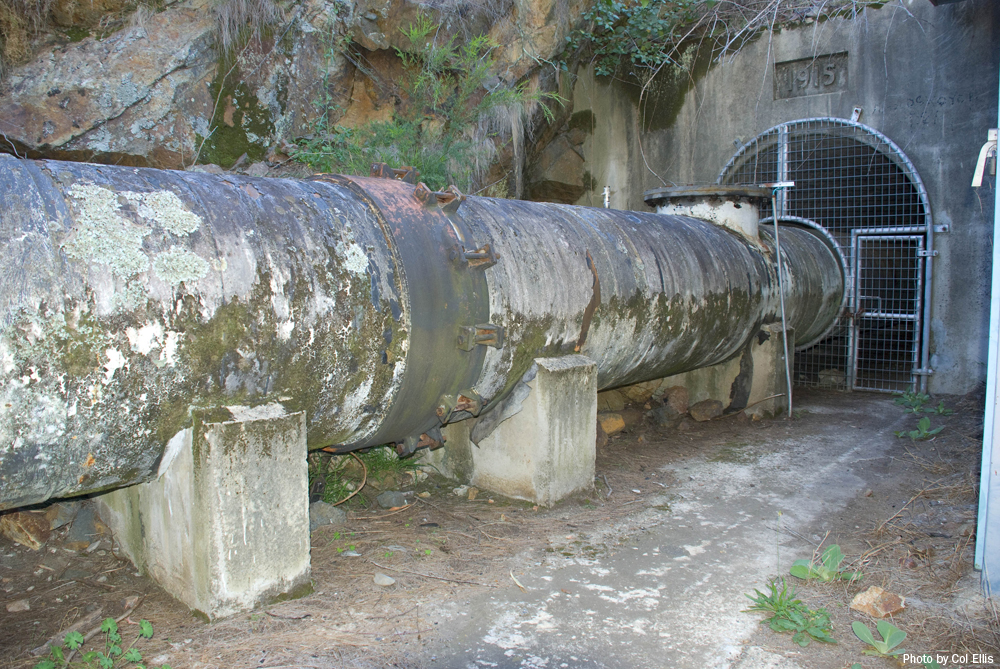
{"type": "Point", "coordinates": [133, 300]}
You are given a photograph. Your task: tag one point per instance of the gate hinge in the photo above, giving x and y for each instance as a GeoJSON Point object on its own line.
{"type": "Point", "coordinates": [938, 229]}
{"type": "Point", "coordinates": [923, 371]}
{"type": "Point", "coordinates": [924, 254]}
{"type": "Point", "coordinates": [487, 334]}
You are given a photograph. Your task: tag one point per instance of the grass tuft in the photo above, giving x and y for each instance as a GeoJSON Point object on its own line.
{"type": "Point", "coordinates": [238, 22]}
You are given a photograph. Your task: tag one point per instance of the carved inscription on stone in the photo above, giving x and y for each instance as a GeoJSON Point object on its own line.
{"type": "Point", "coordinates": [810, 76]}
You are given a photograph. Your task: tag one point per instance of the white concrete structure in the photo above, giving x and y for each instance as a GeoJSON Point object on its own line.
{"type": "Point", "coordinates": [225, 526]}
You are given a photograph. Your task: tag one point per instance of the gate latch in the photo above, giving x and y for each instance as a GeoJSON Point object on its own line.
{"type": "Point", "coordinates": [487, 334]}
{"type": "Point", "coordinates": [924, 254]}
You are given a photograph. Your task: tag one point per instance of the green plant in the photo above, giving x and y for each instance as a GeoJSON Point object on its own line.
{"type": "Point", "coordinates": [891, 635]}
{"type": "Point", "coordinates": [112, 655]}
{"type": "Point", "coordinates": [448, 128]}
{"type": "Point", "coordinates": [382, 461]}
{"type": "Point", "coordinates": [328, 474]}
{"type": "Point", "coordinates": [912, 401]}
{"type": "Point", "coordinates": [826, 569]}
{"type": "Point", "coordinates": [646, 33]}
{"type": "Point", "coordinates": [929, 662]}
{"type": "Point", "coordinates": [789, 614]}
{"type": "Point", "coordinates": [237, 22]}
{"type": "Point", "coordinates": [922, 432]}
{"type": "Point", "coordinates": [634, 38]}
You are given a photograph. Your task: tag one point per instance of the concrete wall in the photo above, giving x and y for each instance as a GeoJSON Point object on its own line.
{"type": "Point", "coordinates": [924, 76]}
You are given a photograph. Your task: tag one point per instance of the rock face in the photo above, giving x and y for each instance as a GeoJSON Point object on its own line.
{"type": "Point", "coordinates": [558, 172]}
{"type": "Point", "coordinates": [157, 93]}
{"type": "Point", "coordinates": [117, 96]}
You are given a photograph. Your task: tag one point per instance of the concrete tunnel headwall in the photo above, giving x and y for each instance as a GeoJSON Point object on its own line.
{"type": "Point", "coordinates": [135, 301]}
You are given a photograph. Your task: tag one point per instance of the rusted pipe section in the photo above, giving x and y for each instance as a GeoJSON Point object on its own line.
{"type": "Point", "coordinates": [134, 301]}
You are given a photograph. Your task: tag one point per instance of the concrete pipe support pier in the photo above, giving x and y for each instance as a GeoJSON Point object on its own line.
{"type": "Point", "coordinates": [136, 302]}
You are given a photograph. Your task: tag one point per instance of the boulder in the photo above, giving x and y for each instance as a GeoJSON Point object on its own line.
{"type": "Point", "coordinates": [322, 513]}
{"type": "Point", "coordinates": [610, 400]}
{"type": "Point", "coordinates": [85, 530]}
{"type": "Point", "coordinates": [676, 397]}
{"type": "Point", "coordinates": [641, 392]}
{"type": "Point", "coordinates": [706, 410]}
{"type": "Point", "coordinates": [611, 423]}
{"type": "Point", "coordinates": [878, 603]}
{"type": "Point", "coordinates": [28, 528]}
{"type": "Point", "coordinates": [61, 513]}
{"type": "Point", "coordinates": [665, 416]}
{"type": "Point", "coordinates": [391, 499]}
{"type": "Point", "coordinates": [126, 95]}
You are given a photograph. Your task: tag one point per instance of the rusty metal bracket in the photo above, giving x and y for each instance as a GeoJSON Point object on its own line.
{"type": "Point", "coordinates": [480, 258]}
{"type": "Point", "coordinates": [449, 200]}
{"type": "Point", "coordinates": [485, 334]}
{"type": "Point", "coordinates": [431, 439]}
{"type": "Point", "coordinates": [406, 173]}
{"type": "Point", "coordinates": [467, 403]}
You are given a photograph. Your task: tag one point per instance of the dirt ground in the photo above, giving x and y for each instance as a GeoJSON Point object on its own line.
{"type": "Point", "coordinates": [906, 519]}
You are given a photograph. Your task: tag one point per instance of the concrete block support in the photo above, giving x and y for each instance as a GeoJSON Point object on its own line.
{"type": "Point", "coordinates": [768, 356]}
{"type": "Point", "coordinates": [225, 525]}
{"type": "Point", "coordinates": [547, 451]}
{"type": "Point", "coordinates": [746, 380]}
{"type": "Point", "coordinates": [454, 461]}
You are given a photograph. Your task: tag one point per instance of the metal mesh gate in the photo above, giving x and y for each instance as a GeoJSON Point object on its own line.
{"type": "Point", "coordinates": [859, 186]}
{"type": "Point", "coordinates": [888, 299]}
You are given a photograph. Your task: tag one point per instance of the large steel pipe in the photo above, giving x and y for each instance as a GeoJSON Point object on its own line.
{"type": "Point", "coordinates": [134, 301]}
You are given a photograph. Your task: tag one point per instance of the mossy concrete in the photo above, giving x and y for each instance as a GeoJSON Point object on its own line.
{"type": "Point", "coordinates": [224, 527]}
{"type": "Point", "coordinates": [547, 451]}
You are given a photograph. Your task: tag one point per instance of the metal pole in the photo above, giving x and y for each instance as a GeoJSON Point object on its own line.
{"type": "Point", "coordinates": [775, 189]}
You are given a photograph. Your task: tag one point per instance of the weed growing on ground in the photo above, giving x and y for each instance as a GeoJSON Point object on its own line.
{"type": "Point", "coordinates": [922, 432]}
{"type": "Point", "coordinates": [914, 402]}
{"type": "Point", "coordinates": [113, 654]}
{"type": "Point", "coordinates": [826, 569]}
{"type": "Point", "coordinates": [891, 635]}
{"type": "Point", "coordinates": [789, 614]}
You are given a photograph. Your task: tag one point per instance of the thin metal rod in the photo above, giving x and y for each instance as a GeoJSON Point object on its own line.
{"type": "Point", "coordinates": [925, 334]}
{"type": "Point", "coordinates": [781, 300]}
{"type": "Point", "coordinates": [780, 193]}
